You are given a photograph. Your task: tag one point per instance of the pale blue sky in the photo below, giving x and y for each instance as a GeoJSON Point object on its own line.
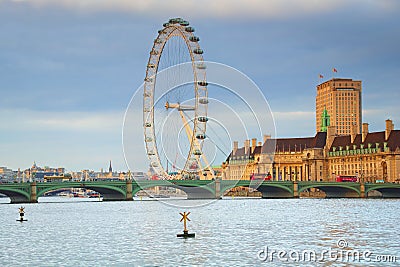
{"type": "Point", "coordinates": [69, 68]}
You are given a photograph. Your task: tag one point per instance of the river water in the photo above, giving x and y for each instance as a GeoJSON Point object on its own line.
{"type": "Point", "coordinates": [229, 232]}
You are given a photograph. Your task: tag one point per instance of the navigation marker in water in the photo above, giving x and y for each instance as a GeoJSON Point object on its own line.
{"type": "Point", "coordinates": [21, 215]}
{"type": "Point", "coordinates": [185, 230]}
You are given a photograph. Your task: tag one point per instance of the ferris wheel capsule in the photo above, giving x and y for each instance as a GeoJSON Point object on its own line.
{"type": "Point", "coordinates": [197, 152]}
{"type": "Point", "coordinates": [203, 100]}
{"type": "Point", "coordinates": [202, 83]}
{"type": "Point", "coordinates": [198, 51]}
{"type": "Point", "coordinates": [189, 29]}
{"type": "Point", "coordinates": [174, 20]}
{"type": "Point", "coordinates": [202, 119]}
{"type": "Point", "coordinates": [194, 38]}
{"type": "Point", "coordinates": [201, 66]}
{"type": "Point", "coordinates": [201, 136]}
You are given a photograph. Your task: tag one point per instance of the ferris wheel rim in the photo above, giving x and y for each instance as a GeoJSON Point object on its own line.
{"type": "Point", "coordinates": [191, 41]}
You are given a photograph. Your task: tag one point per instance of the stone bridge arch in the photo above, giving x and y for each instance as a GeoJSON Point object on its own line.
{"type": "Point", "coordinates": [110, 192]}
{"type": "Point", "coordinates": [194, 189]}
{"type": "Point", "coordinates": [334, 190]}
{"type": "Point", "coordinates": [16, 195]}
{"type": "Point", "coordinates": [268, 189]}
{"type": "Point", "coordinates": [387, 190]}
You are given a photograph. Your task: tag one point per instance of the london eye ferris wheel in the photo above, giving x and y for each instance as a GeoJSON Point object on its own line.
{"type": "Point", "coordinates": [175, 101]}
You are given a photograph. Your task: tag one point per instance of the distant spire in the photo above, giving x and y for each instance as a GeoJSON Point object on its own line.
{"type": "Point", "coordinates": [110, 168]}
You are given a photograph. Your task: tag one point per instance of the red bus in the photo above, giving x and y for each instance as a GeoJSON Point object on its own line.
{"type": "Point", "coordinates": [260, 176]}
{"type": "Point", "coordinates": [346, 178]}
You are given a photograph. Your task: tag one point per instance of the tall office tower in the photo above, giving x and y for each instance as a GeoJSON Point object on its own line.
{"type": "Point", "coordinates": [340, 99]}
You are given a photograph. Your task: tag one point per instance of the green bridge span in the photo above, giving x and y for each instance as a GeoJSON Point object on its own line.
{"type": "Point", "coordinates": [199, 189]}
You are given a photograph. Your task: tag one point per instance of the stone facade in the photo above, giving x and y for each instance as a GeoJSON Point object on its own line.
{"type": "Point", "coordinates": [368, 156]}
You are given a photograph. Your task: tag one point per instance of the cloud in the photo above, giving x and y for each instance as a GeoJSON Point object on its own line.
{"type": "Point", "coordinates": [50, 121]}
{"type": "Point", "coordinates": [212, 8]}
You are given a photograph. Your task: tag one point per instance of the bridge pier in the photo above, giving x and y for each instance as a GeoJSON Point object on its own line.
{"type": "Point", "coordinates": [362, 190]}
{"type": "Point", "coordinates": [218, 189]}
{"type": "Point", "coordinates": [129, 189]}
{"type": "Point", "coordinates": [295, 189]}
{"type": "Point", "coordinates": [33, 189]}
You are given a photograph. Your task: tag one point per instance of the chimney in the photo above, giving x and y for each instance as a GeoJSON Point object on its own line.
{"type": "Point", "coordinates": [330, 135]}
{"type": "Point", "coordinates": [266, 137]}
{"type": "Point", "coordinates": [235, 147]}
{"type": "Point", "coordinates": [353, 132]}
{"type": "Point", "coordinates": [246, 147]}
{"type": "Point", "coordinates": [389, 128]}
{"type": "Point", "coordinates": [253, 144]}
{"type": "Point", "coordinates": [364, 131]}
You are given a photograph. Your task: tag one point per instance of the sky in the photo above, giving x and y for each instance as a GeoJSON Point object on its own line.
{"type": "Point", "coordinates": [68, 68]}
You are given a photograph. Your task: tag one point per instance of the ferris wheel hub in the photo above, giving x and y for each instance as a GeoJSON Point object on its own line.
{"type": "Point", "coordinates": [178, 106]}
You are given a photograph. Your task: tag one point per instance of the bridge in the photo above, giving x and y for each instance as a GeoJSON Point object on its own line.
{"type": "Point", "coordinates": [200, 189]}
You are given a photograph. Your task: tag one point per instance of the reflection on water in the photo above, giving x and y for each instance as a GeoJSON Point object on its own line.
{"type": "Point", "coordinates": [229, 232]}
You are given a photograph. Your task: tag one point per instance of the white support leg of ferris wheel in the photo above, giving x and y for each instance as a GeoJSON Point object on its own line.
{"type": "Point", "coordinates": [189, 132]}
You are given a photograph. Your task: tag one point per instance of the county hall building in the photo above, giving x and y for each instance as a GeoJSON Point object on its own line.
{"type": "Point", "coordinates": [342, 145]}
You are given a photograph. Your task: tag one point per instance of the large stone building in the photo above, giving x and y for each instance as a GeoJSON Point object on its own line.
{"type": "Point", "coordinates": [367, 156]}
{"type": "Point", "coordinates": [279, 159]}
{"type": "Point", "coordinates": [341, 100]}
{"type": "Point", "coordinates": [342, 145]}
